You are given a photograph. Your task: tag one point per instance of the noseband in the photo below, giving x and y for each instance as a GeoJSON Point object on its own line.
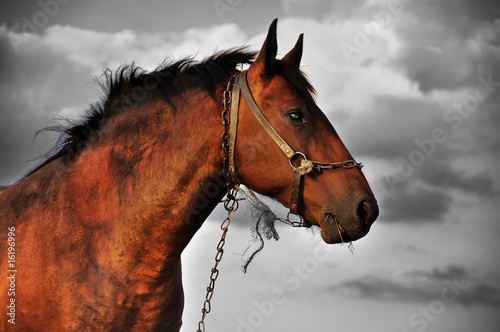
{"type": "Point", "coordinates": [238, 85]}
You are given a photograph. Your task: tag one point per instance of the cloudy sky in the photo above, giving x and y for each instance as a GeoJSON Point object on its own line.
{"type": "Point", "coordinates": [412, 87]}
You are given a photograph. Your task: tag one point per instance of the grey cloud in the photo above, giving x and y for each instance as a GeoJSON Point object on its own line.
{"type": "Point", "coordinates": [376, 288]}
{"type": "Point", "coordinates": [409, 248]}
{"type": "Point", "coordinates": [485, 123]}
{"type": "Point", "coordinates": [441, 174]}
{"type": "Point", "coordinates": [436, 70]}
{"type": "Point", "coordinates": [482, 294]}
{"type": "Point", "coordinates": [426, 195]}
{"type": "Point", "coordinates": [450, 272]}
{"type": "Point", "coordinates": [442, 49]}
{"type": "Point", "coordinates": [424, 286]}
{"type": "Point", "coordinates": [15, 147]}
{"type": "Point", "coordinates": [391, 126]}
{"type": "Point", "coordinates": [413, 204]}
{"type": "Point", "coordinates": [456, 12]}
{"type": "Point", "coordinates": [319, 8]}
{"type": "Point", "coordinates": [16, 118]}
{"type": "Point", "coordinates": [34, 86]}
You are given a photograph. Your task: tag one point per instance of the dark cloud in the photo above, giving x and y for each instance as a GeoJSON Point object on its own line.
{"type": "Point", "coordinates": [409, 248]}
{"type": "Point", "coordinates": [449, 43]}
{"type": "Point", "coordinates": [450, 272]}
{"type": "Point", "coordinates": [34, 86]}
{"type": "Point", "coordinates": [391, 126]}
{"type": "Point", "coordinates": [484, 123]}
{"type": "Point", "coordinates": [15, 145]}
{"type": "Point", "coordinates": [441, 174]}
{"type": "Point", "coordinates": [425, 286]}
{"type": "Point", "coordinates": [157, 16]}
{"type": "Point", "coordinates": [411, 203]}
{"type": "Point", "coordinates": [375, 288]}
{"type": "Point", "coordinates": [320, 8]}
{"type": "Point", "coordinates": [455, 12]}
{"type": "Point", "coordinates": [426, 195]}
{"type": "Point", "coordinates": [437, 70]}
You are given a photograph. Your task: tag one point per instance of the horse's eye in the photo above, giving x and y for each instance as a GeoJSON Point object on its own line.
{"type": "Point", "coordinates": [296, 116]}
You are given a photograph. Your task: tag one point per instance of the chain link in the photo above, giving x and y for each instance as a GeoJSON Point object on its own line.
{"type": "Point", "coordinates": [344, 164]}
{"type": "Point", "coordinates": [225, 135]}
{"type": "Point", "coordinates": [231, 204]}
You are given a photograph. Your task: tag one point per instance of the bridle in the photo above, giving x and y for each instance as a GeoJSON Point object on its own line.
{"type": "Point", "coordinates": [238, 85]}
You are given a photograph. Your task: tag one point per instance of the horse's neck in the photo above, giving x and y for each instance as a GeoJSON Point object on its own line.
{"type": "Point", "coordinates": [155, 167]}
{"type": "Point", "coordinates": [152, 178]}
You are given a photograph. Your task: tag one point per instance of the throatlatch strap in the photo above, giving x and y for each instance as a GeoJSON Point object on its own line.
{"type": "Point", "coordinates": [262, 119]}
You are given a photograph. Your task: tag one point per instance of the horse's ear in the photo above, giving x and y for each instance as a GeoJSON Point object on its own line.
{"type": "Point", "coordinates": [295, 55]}
{"type": "Point", "coordinates": [267, 54]}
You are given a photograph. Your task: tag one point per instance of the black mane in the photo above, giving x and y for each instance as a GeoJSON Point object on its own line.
{"type": "Point", "coordinates": [129, 86]}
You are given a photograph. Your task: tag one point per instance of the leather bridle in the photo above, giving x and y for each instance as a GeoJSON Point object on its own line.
{"type": "Point", "coordinates": [238, 85]}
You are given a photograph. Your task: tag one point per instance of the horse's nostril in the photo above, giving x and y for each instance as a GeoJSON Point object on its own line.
{"type": "Point", "coordinates": [367, 212]}
{"type": "Point", "coordinates": [363, 211]}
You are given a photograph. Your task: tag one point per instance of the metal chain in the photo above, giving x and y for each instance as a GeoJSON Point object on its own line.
{"type": "Point", "coordinates": [344, 164]}
{"type": "Point", "coordinates": [230, 204]}
{"type": "Point", "coordinates": [225, 135]}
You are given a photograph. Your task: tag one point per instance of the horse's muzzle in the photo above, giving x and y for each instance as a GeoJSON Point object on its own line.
{"type": "Point", "coordinates": [337, 228]}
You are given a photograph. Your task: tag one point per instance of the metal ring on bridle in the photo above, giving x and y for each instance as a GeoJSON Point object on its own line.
{"type": "Point", "coordinates": [299, 223]}
{"type": "Point", "coordinates": [295, 223]}
{"type": "Point", "coordinates": [294, 156]}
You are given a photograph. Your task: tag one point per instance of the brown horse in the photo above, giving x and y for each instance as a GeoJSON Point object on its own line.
{"type": "Point", "coordinates": [92, 238]}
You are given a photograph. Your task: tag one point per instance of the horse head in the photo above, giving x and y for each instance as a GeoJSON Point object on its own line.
{"type": "Point", "coordinates": [310, 170]}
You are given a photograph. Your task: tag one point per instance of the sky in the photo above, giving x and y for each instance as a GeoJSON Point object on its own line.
{"type": "Point", "coordinates": [412, 88]}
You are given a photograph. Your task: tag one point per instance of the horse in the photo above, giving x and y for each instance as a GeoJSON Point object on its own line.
{"type": "Point", "coordinates": [94, 234]}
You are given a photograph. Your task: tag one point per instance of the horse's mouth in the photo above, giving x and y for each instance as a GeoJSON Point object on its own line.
{"type": "Point", "coordinates": [344, 236]}
{"type": "Point", "coordinates": [332, 230]}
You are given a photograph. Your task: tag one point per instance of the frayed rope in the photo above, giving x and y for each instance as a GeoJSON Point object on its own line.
{"type": "Point", "coordinates": [264, 223]}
